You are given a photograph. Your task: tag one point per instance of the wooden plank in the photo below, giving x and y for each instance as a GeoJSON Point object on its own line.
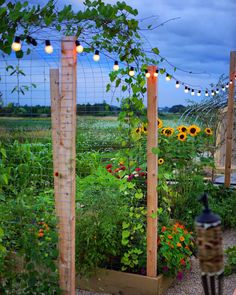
{"type": "Point", "coordinates": [151, 174]}
{"type": "Point", "coordinates": [230, 120]}
{"type": "Point", "coordinates": [55, 118]}
{"type": "Point", "coordinates": [67, 167]}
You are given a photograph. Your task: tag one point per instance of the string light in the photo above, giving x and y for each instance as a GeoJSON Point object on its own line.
{"type": "Point", "coordinates": [199, 93]}
{"type": "Point", "coordinates": [116, 66]}
{"type": "Point", "coordinates": [186, 89]}
{"type": "Point", "coordinates": [31, 41]}
{"type": "Point", "coordinates": [206, 93]}
{"type": "Point", "coordinates": [168, 77]}
{"type": "Point", "coordinates": [147, 74]}
{"type": "Point", "coordinates": [223, 88]}
{"type": "Point", "coordinates": [231, 82]}
{"type": "Point", "coordinates": [235, 77]}
{"type": "Point", "coordinates": [96, 56]}
{"type": "Point", "coordinates": [156, 73]}
{"type": "Point", "coordinates": [227, 85]}
{"type": "Point", "coordinates": [79, 47]}
{"type": "Point", "coordinates": [16, 45]}
{"type": "Point", "coordinates": [48, 47]}
{"type": "Point", "coordinates": [212, 92]}
{"type": "Point", "coordinates": [217, 90]}
{"type": "Point", "coordinates": [192, 92]}
{"type": "Point", "coordinates": [131, 71]}
{"type": "Point", "coordinates": [177, 85]}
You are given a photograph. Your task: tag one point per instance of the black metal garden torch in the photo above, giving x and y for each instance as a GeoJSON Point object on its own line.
{"type": "Point", "coordinates": [210, 249]}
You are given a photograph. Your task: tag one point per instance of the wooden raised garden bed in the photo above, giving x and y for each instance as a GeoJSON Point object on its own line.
{"type": "Point", "coordinates": [121, 283]}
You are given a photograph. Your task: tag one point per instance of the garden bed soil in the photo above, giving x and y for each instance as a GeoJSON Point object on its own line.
{"type": "Point", "coordinates": [121, 283]}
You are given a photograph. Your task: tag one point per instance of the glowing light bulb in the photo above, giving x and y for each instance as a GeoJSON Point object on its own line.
{"type": "Point", "coordinates": [212, 92]}
{"type": "Point", "coordinates": [48, 47]}
{"type": "Point", "coordinates": [168, 77]}
{"type": "Point", "coordinates": [231, 82]}
{"type": "Point", "coordinates": [16, 45]}
{"type": "Point", "coordinates": [186, 89]}
{"type": "Point", "coordinates": [227, 85]}
{"type": "Point", "coordinates": [206, 93]}
{"type": "Point", "coordinates": [79, 47]}
{"type": "Point", "coordinates": [96, 56]}
{"type": "Point", "coordinates": [217, 90]}
{"type": "Point", "coordinates": [116, 66]}
{"type": "Point", "coordinates": [177, 85]}
{"type": "Point", "coordinates": [131, 71]}
{"type": "Point", "coordinates": [223, 87]}
{"type": "Point", "coordinates": [156, 73]}
{"type": "Point", "coordinates": [192, 92]}
{"type": "Point", "coordinates": [199, 93]}
{"type": "Point", "coordinates": [147, 74]}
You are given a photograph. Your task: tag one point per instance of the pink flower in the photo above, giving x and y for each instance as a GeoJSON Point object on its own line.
{"type": "Point", "coordinates": [130, 177]}
{"type": "Point", "coordinates": [180, 276]}
{"type": "Point", "coordinates": [138, 169]}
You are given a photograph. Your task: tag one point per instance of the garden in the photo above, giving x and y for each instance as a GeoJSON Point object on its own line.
{"type": "Point", "coordinates": [110, 169]}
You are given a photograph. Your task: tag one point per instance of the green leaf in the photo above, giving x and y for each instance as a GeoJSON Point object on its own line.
{"type": "Point", "coordinates": [156, 50]}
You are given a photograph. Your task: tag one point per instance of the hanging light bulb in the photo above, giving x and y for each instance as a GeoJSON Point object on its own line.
{"type": "Point", "coordinates": [31, 41]}
{"type": "Point", "coordinates": [227, 85]}
{"type": "Point", "coordinates": [48, 47]}
{"type": "Point", "coordinates": [231, 82]}
{"type": "Point", "coordinates": [131, 71]}
{"type": "Point", "coordinates": [177, 85]}
{"type": "Point", "coordinates": [96, 56]}
{"type": "Point", "coordinates": [206, 93]}
{"type": "Point", "coordinates": [116, 66]}
{"type": "Point", "coordinates": [147, 74]}
{"type": "Point", "coordinates": [212, 92]}
{"type": "Point", "coordinates": [16, 45]}
{"type": "Point", "coordinates": [199, 93]}
{"type": "Point", "coordinates": [192, 92]}
{"type": "Point", "coordinates": [156, 73]}
{"type": "Point", "coordinates": [79, 47]}
{"type": "Point", "coordinates": [186, 89]}
{"type": "Point", "coordinates": [217, 90]}
{"type": "Point", "coordinates": [168, 77]}
{"type": "Point", "coordinates": [223, 87]}
{"type": "Point", "coordinates": [235, 77]}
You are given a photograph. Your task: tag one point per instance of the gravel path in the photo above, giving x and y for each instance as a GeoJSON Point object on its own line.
{"type": "Point", "coordinates": [191, 284]}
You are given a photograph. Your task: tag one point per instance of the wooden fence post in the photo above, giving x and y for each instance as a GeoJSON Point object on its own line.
{"type": "Point", "coordinates": [152, 174]}
{"type": "Point", "coordinates": [67, 167]}
{"type": "Point", "coordinates": [230, 120]}
{"type": "Point", "coordinates": [55, 118]}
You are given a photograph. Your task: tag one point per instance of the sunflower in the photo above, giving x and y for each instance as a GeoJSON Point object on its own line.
{"type": "Point", "coordinates": [168, 131]}
{"type": "Point", "coordinates": [182, 128]}
{"type": "Point", "coordinates": [163, 130]}
{"type": "Point", "coordinates": [182, 136]}
{"type": "Point", "coordinates": [193, 130]}
{"type": "Point", "coordinates": [208, 131]}
{"type": "Point", "coordinates": [159, 123]}
{"type": "Point", "coordinates": [138, 130]}
{"type": "Point", "coordinates": [144, 128]}
{"type": "Point", "coordinates": [161, 161]}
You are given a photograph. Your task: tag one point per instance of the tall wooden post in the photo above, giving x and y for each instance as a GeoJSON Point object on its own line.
{"type": "Point", "coordinates": [230, 119]}
{"type": "Point", "coordinates": [67, 167]}
{"type": "Point", "coordinates": [152, 174]}
{"type": "Point", "coordinates": [55, 118]}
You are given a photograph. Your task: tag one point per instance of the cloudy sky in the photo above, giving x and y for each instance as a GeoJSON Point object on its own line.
{"type": "Point", "coordinates": [199, 40]}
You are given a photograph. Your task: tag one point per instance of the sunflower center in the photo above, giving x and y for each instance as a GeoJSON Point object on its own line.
{"type": "Point", "coordinates": [181, 136]}
{"type": "Point", "coordinates": [193, 130]}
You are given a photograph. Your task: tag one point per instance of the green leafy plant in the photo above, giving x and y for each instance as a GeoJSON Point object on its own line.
{"type": "Point", "coordinates": [230, 266]}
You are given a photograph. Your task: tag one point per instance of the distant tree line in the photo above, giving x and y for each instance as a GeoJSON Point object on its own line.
{"type": "Point", "coordinates": [97, 109]}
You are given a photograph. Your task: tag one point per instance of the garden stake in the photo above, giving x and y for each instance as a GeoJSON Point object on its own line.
{"type": "Point", "coordinates": [210, 249]}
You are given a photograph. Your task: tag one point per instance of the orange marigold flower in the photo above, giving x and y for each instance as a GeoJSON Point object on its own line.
{"type": "Point", "coordinates": [182, 261]}
{"type": "Point", "coordinates": [40, 235]}
{"type": "Point", "coordinates": [170, 237]}
{"type": "Point", "coordinates": [179, 245]}
{"type": "Point", "coordinates": [163, 229]}
{"type": "Point", "coordinates": [187, 247]}
{"type": "Point", "coordinates": [182, 238]}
